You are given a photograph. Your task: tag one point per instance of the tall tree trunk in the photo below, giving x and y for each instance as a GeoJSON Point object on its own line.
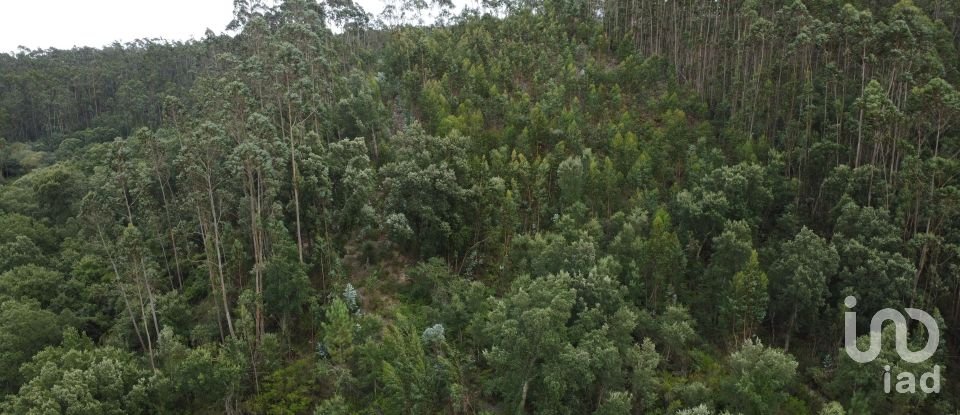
{"type": "Point", "coordinates": [523, 397]}
{"type": "Point", "coordinates": [215, 221]}
{"type": "Point", "coordinates": [123, 291]}
{"type": "Point", "coordinates": [296, 185]}
{"type": "Point", "coordinates": [793, 320]}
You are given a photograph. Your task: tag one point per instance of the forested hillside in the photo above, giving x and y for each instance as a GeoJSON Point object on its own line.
{"type": "Point", "coordinates": [533, 207]}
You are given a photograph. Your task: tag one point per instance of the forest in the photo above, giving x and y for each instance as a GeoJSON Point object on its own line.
{"type": "Point", "coordinates": [605, 207]}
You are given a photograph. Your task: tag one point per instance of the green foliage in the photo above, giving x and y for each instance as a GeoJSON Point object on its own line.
{"type": "Point", "coordinates": [424, 189]}
{"type": "Point", "coordinates": [868, 379]}
{"type": "Point", "coordinates": [741, 192]}
{"type": "Point", "coordinates": [288, 390]}
{"type": "Point", "coordinates": [197, 377]}
{"type": "Point", "coordinates": [338, 332]}
{"type": "Point", "coordinates": [77, 377]}
{"type": "Point", "coordinates": [19, 252]}
{"type": "Point", "coordinates": [732, 251]}
{"type": "Point", "coordinates": [676, 330]}
{"type": "Point", "coordinates": [25, 329]}
{"type": "Point", "coordinates": [747, 305]}
{"type": "Point", "coordinates": [528, 330]}
{"type": "Point", "coordinates": [529, 207]}
{"type": "Point", "coordinates": [832, 408]}
{"type": "Point", "coordinates": [417, 375]}
{"type": "Point", "coordinates": [800, 275]}
{"type": "Point", "coordinates": [13, 225]}
{"type": "Point", "coordinates": [616, 403]}
{"type": "Point", "coordinates": [759, 379]}
{"type": "Point", "coordinates": [333, 406]}
{"type": "Point", "coordinates": [36, 283]}
{"type": "Point", "coordinates": [871, 268]}
{"type": "Point", "coordinates": [289, 289]}
{"type": "Point", "coordinates": [664, 261]}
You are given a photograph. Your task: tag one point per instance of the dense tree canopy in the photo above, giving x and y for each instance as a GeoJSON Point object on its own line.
{"type": "Point", "coordinates": [532, 207]}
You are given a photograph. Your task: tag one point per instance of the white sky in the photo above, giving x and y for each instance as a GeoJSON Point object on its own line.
{"type": "Point", "coordinates": [63, 24]}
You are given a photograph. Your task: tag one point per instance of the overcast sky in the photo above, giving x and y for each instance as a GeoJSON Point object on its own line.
{"type": "Point", "coordinates": [64, 24]}
{"type": "Point", "coordinates": [67, 23]}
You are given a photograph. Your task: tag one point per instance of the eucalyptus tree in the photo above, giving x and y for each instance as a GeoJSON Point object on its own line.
{"type": "Point", "coordinates": [299, 68]}
{"type": "Point", "coordinates": [253, 156]}
{"type": "Point", "coordinates": [732, 252]}
{"type": "Point", "coordinates": [4, 155]}
{"type": "Point", "coordinates": [871, 266]}
{"type": "Point", "coordinates": [110, 211]}
{"type": "Point", "coordinates": [27, 329]}
{"type": "Point", "coordinates": [78, 377]}
{"type": "Point", "coordinates": [938, 106]}
{"type": "Point", "coordinates": [799, 279]}
{"type": "Point", "coordinates": [425, 187]}
{"type": "Point", "coordinates": [158, 147]}
{"type": "Point", "coordinates": [555, 328]}
{"type": "Point", "coordinates": [142, 270]}
{"type": "Point", "coordinates": [529, 332]}
{"type": "Point", "coordinates": [101, 224]}
{"type": "Point", "coordinates": [254, 159]}
{"type": "Point", "coordinates": [747, 305]}
{"type": "Point", "coordinates": [419, 375]}
{"type": "Point", "coordinates": [663, 259]}
{"type": "Point", "coordinates": [203, 174]}
{"type": "Point", "coordinates": [354, 183]}
{"type": "Point", "coordinates": [759, 378]}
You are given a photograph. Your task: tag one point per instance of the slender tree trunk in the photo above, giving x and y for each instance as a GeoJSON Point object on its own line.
{"type": "Point", "coordinates": [146, 325]}
{"type": "Point", "coordinates": [793, 320]}
{"type": "Point", "coordinates": [173, 240]}
{"type": "Point", "coordinates": [123, 291]}
{"type": "Point", "coordinates": [216, 243]}
{"type": "Point", "coordinates": [523, 397]}
{"type": "Point", "coordinates": [296, 184]}
{"type": "Point", "coordinates": [150, 297]}
{"type": "Point", "coordinates": [211, 271]}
